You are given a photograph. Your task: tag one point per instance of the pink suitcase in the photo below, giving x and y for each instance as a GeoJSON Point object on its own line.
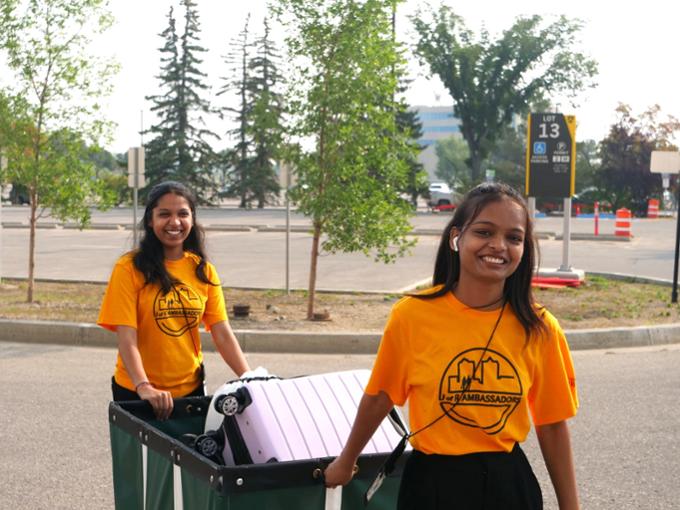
{"type": "Point", "coordinates": [293, 419]}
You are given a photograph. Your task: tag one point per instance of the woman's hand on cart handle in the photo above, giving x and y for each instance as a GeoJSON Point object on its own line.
{"type": "Point", "coordinates": [339, 472]}
{"type": "Point", "coordinates": [160, 400]}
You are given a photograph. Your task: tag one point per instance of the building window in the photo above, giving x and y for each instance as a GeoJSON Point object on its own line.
{"type": "Point", "coordinates": [435, 115]}
{"type": "Point", "coordinates": [441, 129]}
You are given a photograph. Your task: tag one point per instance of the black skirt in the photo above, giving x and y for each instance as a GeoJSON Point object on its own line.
{"type": "Point", "coordinates": [477, 481]}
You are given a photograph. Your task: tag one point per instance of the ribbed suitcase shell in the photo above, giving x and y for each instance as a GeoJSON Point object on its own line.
{"type": "Point", "coordinates": [305, 418]}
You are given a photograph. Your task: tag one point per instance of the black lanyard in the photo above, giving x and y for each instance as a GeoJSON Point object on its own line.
{"type": "Point", "coordinates": [186, 318]}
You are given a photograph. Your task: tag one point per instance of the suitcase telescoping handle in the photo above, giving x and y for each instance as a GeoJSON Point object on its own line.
{"type": "Point", "coordinates": [233, 403]}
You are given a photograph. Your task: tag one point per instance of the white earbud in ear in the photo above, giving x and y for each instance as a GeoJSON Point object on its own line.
{"type": "Point", "coordinates": [454, 243]}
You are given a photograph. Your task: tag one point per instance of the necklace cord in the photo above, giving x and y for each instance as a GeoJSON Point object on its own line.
{"type": "Point", "coordinates": [467, 382]}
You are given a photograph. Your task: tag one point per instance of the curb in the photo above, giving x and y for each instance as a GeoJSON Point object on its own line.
{"type": "Point", "coordinates": [576, 236]}
{"type": "Point", "coordinates": [294, 342]}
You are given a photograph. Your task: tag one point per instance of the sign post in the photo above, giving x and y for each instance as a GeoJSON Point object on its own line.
{"type": "Point", "coordinates": [287, 168]}
{"type": "Point", "coordinates": [668, 162]}
{"type": "Point", "coordinates": [551, 166]}
{"type": "Point", "coordinates": [136, 180]}
{"type": "Point", "coordinates": [3, 167]}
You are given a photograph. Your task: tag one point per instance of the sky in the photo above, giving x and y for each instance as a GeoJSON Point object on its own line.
{"type": "Point", "coordinates": [633, 43]}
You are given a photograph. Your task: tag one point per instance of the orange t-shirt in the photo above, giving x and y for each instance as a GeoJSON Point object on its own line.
{"type": "Point", "coordinates": [167, 325]}
{"type": "Point", "coordinates": [431, 346]}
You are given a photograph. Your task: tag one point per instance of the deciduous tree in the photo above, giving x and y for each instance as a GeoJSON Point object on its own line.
{"type": "Point", "coordinates": [624, 176]}
{"type": "Point", "coordinates": [492, 80]}
{"type": "Point", "coordinates": [346, 76]}
{"type": "Point", "coordinates": [452, 152]}
{"type": "Point", "coordinates": [57, 88]}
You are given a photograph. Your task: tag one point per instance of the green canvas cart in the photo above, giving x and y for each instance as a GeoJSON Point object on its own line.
{"type": "Point", "coordinates": [153, 470]}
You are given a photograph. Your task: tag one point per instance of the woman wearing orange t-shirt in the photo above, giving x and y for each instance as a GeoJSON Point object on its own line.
{"type": "Point", "coordinates": [157, 297]}
{"type": "Point", "coordinates": [478, 361]}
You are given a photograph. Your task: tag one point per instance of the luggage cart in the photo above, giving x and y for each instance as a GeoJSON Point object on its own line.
{"type": "Point", "coordinates": [154, 469]}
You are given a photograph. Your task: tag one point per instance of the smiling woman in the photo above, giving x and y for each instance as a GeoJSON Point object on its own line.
{"type": "Point", "coordinates": [155, 301]}
{"type": "Point", "coordinates": [478, 360]}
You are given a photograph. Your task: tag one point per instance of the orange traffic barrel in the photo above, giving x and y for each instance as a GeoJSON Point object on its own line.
{"type": "Point", "coordinates": [623, 223]}
{"type": "Point", "coordinates": [653, 208]}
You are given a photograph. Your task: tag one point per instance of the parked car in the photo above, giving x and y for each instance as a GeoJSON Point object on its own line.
{"type": "Point", "coordinates": [584, 201]}
{"type": "Point", "coordinates": [581, 203]}
{"type": "Point", "coordinates": [442, 196]}
{"type": "Point", "coordinates": [18, 195]}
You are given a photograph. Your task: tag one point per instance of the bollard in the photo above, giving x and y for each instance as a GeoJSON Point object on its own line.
{"type": "Point", "coordinates": [596, 217]}
{"type": "Point", "coordinates": [653, 208]}
{"type": "Point", "coordinates": [622, 226]}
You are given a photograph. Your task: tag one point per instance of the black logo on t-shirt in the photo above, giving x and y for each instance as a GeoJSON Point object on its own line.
{"type": "Point", "coordinates": [493, 392]}
{"type": "Point", "coordinates": [178, 310]}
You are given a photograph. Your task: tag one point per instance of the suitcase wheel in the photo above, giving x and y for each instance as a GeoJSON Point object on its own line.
{"type": "Point", "coordinates": [228, 406]}
{"type": "Point", "coordinates": [233, 403]}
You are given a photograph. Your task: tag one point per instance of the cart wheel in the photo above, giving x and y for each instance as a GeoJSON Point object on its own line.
{"type": "Point", "coordinates": [207, 445]}
{"type": "Point", "coordinates": [228, 405]}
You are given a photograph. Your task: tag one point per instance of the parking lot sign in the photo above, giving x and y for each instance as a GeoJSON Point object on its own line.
{"type": "Point", "coordinates": [551, 155]}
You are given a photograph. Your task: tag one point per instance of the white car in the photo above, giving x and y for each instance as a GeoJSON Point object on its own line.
{"type": "Point", "coordinates": [441, 196]}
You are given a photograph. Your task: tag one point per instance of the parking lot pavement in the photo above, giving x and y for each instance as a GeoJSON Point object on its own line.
{"type": "Point", "coordinates": [257, 259]}
{"type": "Point", "coordinates": [55, 448]}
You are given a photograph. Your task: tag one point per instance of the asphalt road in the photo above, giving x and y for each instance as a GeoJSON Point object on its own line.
{"type": "Point", "coordinates": [257, 259]}
{"type": "Point", "coordinates": [54, 431]}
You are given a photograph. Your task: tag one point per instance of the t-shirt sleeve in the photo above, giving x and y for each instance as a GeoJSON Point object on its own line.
{"type": "Point", "coordinates": [119, 306]}
{"type": "Point", "coordinates": [553, 395]}
{"type": "Point", "coordinates": [215, 307]}
{"type": "Point", "coordinates": [390, 370]}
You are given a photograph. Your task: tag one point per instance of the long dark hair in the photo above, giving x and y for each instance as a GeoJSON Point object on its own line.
{"type": "Point", "coordinates": [517, 288]}
{"type": "Point", "coordinates": [149, 259]}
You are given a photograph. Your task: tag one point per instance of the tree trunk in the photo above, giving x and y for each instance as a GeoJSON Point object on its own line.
{"type": "Point", "coordinates": [31, 245]}
{"type": "Point", "coordinates": [312, 271]}
{"type": "Point", "coordinates": [475, 167]}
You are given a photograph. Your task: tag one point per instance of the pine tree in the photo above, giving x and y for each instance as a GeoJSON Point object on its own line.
{"type": "Point", "coordinates": [409, 127]}
{"type": "Point", "coordinates": [236, 159]}
{"type": "Point", "coordinates": [161, 160]}
{"type": "Point", "coordinates": [259, 130]}
{"type": "Point", "coordinates": [179, 149]}
{"type": "Point", "coordinates": [266, 126]}
{"type": "Point", "coordinates": [196, 156]}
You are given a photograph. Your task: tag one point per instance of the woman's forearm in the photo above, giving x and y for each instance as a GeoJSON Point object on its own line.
{"type": "Point", "coordinates": [129, 352]}
{"type": "Point", "coordinates": [228, 347]}
{"type": "Point", "coordinates": [372, 411]}
{"type": "Point", "coordinates": [555, 445]}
